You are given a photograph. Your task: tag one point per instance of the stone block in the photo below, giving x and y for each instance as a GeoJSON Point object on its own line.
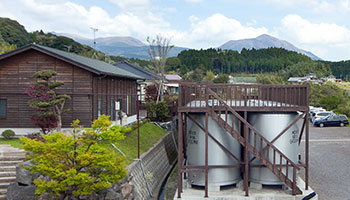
{"type": "Point", "coordinates": [17, 192]}
{"type": "Point", "coordinates": [24, 176]}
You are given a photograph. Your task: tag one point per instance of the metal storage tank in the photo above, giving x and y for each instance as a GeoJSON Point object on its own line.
{"type": "Point", "coordinates": [271, 125]}
{"type": "Point", "coordinates": [216, 156]}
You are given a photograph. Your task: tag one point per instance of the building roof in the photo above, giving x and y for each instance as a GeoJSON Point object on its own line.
{"type": "Point", "coordinates": [89, 64]}
{"type": "Point", "coordinates": [173, 77]}
{"type": "Point", "coordinates": [139, 71]}
{"type": "Point", "coordinates": [243, 79]}
{"type": "Point", "coordinates": [297, 79]}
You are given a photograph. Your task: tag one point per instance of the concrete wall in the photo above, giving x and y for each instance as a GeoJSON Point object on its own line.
{"type": "Point", "coordinates": [157, 163]}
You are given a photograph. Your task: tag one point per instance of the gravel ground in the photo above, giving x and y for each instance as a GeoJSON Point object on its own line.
{"type": "Point", "coordinates": [330, 162]}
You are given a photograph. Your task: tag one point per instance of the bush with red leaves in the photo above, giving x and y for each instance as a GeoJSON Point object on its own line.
{"type": "Point", "coordinates": [45, 122]}
{"type": "Point", "coordinates": [151, 92]}
{"type": "Point", "coordinates": [36, 136]}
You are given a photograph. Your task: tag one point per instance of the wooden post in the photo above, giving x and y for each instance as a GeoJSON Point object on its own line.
{"type": "Point", "coordinates": [307, 141]}
{"type": "Point", "coordinates": [206, 154]}
{"type": "Point", "coordinates": [138, 128]}
{"type": "Point", "coordinates": [185, 141]}
{"type": "Point", "coordinates": [179, 162]}
{"type": "Point", "coordinates": [206, 140]}
{"type": "Point", "coordinates": [180, 147]}
{"type": "Point", "coordinates": [246, 159]}
{"type": "Point", "coordinates": [307, 152]}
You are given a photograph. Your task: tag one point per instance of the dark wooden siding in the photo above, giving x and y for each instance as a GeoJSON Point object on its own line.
{"type": "Point", "coordinates": [109, 89]}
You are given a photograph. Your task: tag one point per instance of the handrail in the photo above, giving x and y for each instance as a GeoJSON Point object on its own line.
{"type": "Point", "coordinates": [261, 96]}
{"type": "Point", "coordinates": [251, 127]}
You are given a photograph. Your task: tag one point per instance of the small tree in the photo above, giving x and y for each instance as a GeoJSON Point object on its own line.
{"type": "Point", "coordinates": [158, 51]}
{"type": "Point", "coordinates": [79, 164]}
{"type": "Point", "coordinates": [222, 78]}
{"type": "Point", "coordinates": [45, 98]}
{"type": "Point", "coordinates": [151, 92]}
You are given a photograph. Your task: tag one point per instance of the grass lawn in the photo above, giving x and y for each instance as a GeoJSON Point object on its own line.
{"type": "Point", "coordinates": [149, 135]}
{"type": "Point", "coordinates": [15, 142]}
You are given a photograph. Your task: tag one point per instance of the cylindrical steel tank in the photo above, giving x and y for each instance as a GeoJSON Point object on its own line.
{"type": "Point", "coordinates": [270, 125]}
{"type": "Point", "coordinates": [216, 156]}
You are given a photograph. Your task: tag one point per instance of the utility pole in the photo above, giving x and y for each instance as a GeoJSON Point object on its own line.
{"type": "Point", "coordinates": [94, 30]}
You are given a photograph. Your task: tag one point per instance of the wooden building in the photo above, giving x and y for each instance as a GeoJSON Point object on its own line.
{"type": "Point", "coordinates": [95, 87]}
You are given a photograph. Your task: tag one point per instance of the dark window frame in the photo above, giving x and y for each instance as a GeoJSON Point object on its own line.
{"type": "Point", "coordinates": [99, 108]}
{"type": "Point", "coordinates": [6, 108]}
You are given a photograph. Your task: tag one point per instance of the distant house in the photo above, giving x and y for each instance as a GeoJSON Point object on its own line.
{"type": "Point", "coordinates": [95, 87]}
{"type": "Point", "coordinates": [172, 83]}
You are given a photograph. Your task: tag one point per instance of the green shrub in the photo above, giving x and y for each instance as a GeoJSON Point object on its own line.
{"type": "Point", "coordinates": [79, 164]}
{"type": "Point", "coordinates": [8, 134]}
{"type": "Point", "coordinates": [151, 110]}
{"type": "Point", "coordinates": [161, 111]}
{"type": "Point", "coordinates": [157, 111]}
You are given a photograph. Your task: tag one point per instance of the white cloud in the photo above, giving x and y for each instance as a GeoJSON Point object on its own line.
{"type": "Point", "coordinates": [65, 16]}
{"type": "Point", "coordinates": [217, 29]}
{"type": "Point", "coordinates": [314, 33]}
{"type": "Point", "coordinates": [324, 39]}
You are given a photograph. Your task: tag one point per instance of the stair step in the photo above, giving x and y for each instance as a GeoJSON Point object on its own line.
{"type": "Point", "coordinates": [11, 158]}
{"type": "Point", "coordinates": [7, 168]}
{"type": "Point", "coordinates": [7, 174]}
{"type": "Point", "coordinates": [3, 197]}
{"type": "Point", "coordinates": [10, 162]}
{"type": "Point", "coordinates": [5, 154]}
{"type": "Point", "coordinates": [8, 179]}
{"type": "Point", "coordinates": [3, 191]}
{"type": "Point", "coordinates": [4, 185]}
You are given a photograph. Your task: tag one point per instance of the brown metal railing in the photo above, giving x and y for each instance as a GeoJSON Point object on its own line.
{"type": "Point", "coordinates": [246, 96]}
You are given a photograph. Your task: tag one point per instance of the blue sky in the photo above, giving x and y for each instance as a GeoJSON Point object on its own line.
{"type": "Point", "coordinates": [319, 26]}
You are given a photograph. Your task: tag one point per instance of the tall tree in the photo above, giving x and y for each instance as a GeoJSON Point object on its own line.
{"type": "Point", "coordinates": [44, 97]}
{"type": "Point", "coordinates": [158, 51]}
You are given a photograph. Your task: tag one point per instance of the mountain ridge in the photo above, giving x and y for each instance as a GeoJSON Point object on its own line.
{"type": "Point", "coordinates": [262, 42]}
{"type": "Point", "coordinates": [125, 46]}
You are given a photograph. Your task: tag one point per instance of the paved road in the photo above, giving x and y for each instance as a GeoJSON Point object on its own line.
{"type": "Point", "coordinates": [330, 162]}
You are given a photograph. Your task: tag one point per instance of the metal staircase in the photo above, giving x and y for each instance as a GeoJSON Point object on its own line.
{"type": "Point", "coordinates": [260, 147]}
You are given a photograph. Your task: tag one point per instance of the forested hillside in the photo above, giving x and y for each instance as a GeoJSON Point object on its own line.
{"type": "Point", "coordinates": [195, 63]}
{"type": "Point", "coordinates": [340, 69]}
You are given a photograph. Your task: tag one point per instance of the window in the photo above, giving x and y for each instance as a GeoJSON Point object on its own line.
{"type": "Point", "coordinates": [99, 108]}
{"type": "Point", "coordinates": [112, 109]}
{"type": "Point", "coordinates": [128, 105]}
{"type": "Point", "coordinates": [3, 108]}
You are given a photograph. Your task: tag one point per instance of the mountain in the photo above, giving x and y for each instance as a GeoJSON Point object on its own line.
{"type": "Point", "coordinates": [120, 46]}
{"type": "Point", "coordinates": [265, 41]}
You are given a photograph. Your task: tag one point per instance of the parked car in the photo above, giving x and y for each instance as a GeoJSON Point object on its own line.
{"type": "Point", "coordinates": [319, 115]}
{"type": "Point", "coordinates": [332, 120]}
{"type": "Point", "coordinates": [314, 110]}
